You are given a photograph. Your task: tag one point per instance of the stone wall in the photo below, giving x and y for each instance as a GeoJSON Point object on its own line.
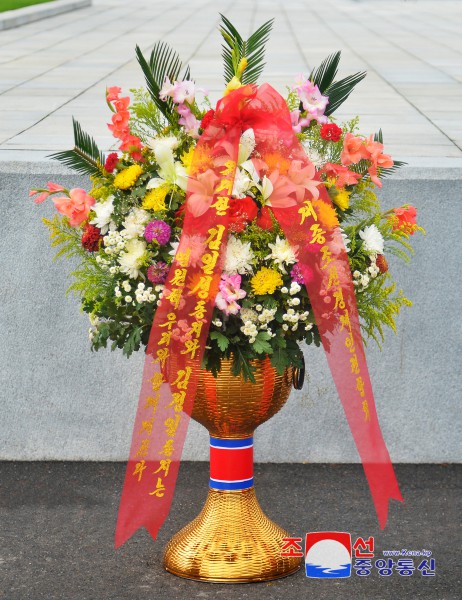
{"type": "Point", "coordinates": [59, 401]}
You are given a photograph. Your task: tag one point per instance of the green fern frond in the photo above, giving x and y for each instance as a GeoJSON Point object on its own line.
{"type": "Point", "coordinates": [339, 91]}
{"type": "Point", "coordinates": [235, 48]}
{"type": "Point", "coordinates": [163, 62]}
{"type": "Point", "coordinates": [85, 157]}
{"type": "Point", "coordinates": [325, 74]}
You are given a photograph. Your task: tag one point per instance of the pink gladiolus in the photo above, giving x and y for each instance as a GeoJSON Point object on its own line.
{"type": "Point", "coordinates": [342, 175]}
{"type": "Point", "coordinates": [112, 93]}
{"type": "Point", "coordinates": [183, 91]}
{"type": "Point", "coordinates": [121, 104]}
{"type": "Point", "coordinates": [54, 187]}
{"type": "Point", "coordinates": [313, 101]}
{"type": "Point", "coordinates": [188, 120]}
{"type": "Point", "coordinates": [40, 198]}
{"type": "Point", "coordinates": [353, 150]}
{"type": "Point", "coordinates": [230, 291]}
{"type": "Point", "coordinates": [76, 207]}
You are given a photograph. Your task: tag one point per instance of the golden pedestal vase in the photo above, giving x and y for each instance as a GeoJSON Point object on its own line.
{"type": "Point", "coordinates": [232, 540]}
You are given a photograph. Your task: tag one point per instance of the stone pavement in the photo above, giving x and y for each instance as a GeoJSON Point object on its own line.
{"type": "Point", "coordinates": [58, 519]}
{"type": "Point", "coordinates": [60, 66]}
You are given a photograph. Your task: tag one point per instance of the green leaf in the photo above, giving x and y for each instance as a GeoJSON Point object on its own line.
{"type": "Point", "coordinates": [325, 74]}
{"type": "Point", "coordinates": [163, 62]}
{"type": "Point", "coordinates": [261, 344]}
{"type": "Point", "coordinates": [235, 48]}
{"type": "Point", "coordinates": [339, 91]}
{"type": "Point", "coordinates": [221, 339]}
{"type": "Point", "coordinates": [85, 157]}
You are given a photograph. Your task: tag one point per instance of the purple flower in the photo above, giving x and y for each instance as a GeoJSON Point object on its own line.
{"type": "Point", "coordinates": [159, 231]}
{"type": "Point", "coordinates": [296, 275]}
{"type": "Point", "coordinates": [157, 272]}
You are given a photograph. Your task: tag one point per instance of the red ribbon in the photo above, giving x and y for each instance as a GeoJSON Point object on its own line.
{"type": "Point", "coordinates": [302, 207]}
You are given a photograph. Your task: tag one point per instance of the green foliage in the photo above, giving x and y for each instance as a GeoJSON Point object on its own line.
{"type": "Point", "coordinates": [62, 234]}
{"type": "Point", "coordinates": [146, 120]}
{"type": "Point", "coordinates": [378, 306]}
{"type": "Point", "coordinates": [163, 62]}
{"type": "Point", "coordinates": [235, 48]}
{"type": "Point", "coordinates": [85, 157]}
{"type": "Point", "coordinates": [338, 91]}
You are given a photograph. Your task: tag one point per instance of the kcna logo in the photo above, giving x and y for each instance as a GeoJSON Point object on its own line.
{"type": "Point", "coordinates": [328, 554]}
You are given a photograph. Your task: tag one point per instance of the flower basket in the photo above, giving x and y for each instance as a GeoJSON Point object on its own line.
{"type": "Point", "coordinates": [221, 240]}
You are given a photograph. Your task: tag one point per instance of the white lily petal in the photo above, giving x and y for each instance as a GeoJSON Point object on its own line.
{"type": "Point", "coordinates": [266, 188]}
{"type": "Point", "coordinates": [246, 146]}
{"type": "Point", "coordinates": [155, 182]}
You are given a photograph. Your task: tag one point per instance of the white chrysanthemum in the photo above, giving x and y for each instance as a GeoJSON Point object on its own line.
{"type": "Point", "coordinates": [131, 260]}
{"type": "Point", "coordinates": [135, 223]}
{"type": "Point", "coordinates": [314, 156]}
{"type": "Point", "coordinates": [103, 212]}
{"type": "Point", "coordinates": [281, 253]}
{"type": "Point", "coordinates": [372, 240]}
{"type": "Point", "coordinates": [239, 257]}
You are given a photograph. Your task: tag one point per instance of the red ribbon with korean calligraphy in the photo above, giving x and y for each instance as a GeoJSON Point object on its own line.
{"type": "Point", "coordinates": [177, 341]}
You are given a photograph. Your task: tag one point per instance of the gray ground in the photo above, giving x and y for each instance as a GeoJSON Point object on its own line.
{"type": "Point", "coordinates": [58, 519]}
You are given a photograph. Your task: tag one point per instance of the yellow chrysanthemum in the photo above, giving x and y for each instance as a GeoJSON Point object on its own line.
{"type": "Point", "coordinates": [265, 281]}
{"type": "Point", "coordinates": [128, 177]}
{"type": "Point", "coordinates": [155, 198]}
{"type": "Point", "coordinates": [326, 214]}
{"type": "Point", "coordinates": [342, 199]}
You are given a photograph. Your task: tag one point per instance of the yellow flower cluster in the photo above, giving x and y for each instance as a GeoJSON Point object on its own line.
{"type": "Point", "coordinates": [265, 281]}
{"type": "Point", "coordinates": [342, 199]}
{"type": "Point", "coordinates": [186, 157]}
{"type": "Point", "coordinates": [155, 198]}
{"type": "Point", "coordinates": [128, 177]}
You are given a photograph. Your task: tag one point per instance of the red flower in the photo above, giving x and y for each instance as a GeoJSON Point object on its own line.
{"type": "Point", "coordinates": [242, 211]}
{"type": "Point", "coordinates": [331, 132]}
{"type": "Point", "coordinates": [264, 220]}
{"type": "Point", "coordinates": [207, 119]}
{"type": "Point", "coordinates": [404, 219]}
{"type": "Point", "coordinates": [381, 262]}
{"type": "Point", "coordinates": [91, 238]}
{"type": "Point", "coordinates": [111, 162]}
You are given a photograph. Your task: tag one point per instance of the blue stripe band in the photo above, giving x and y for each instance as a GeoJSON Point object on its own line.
{"type": "Point", "coordinates": [231, 485]}
{"type": "Point", "coordinates": [241, 443]}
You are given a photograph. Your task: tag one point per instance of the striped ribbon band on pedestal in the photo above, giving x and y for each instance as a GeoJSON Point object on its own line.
{"type": "Point", "coordinates": [231, 463]}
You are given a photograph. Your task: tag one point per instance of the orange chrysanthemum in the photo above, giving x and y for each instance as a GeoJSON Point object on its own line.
{"type": "Point", "coordinates": [326, 214]}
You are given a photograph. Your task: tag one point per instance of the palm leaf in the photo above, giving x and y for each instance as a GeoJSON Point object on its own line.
{"type": "Point", "coordinates": [235, 48]}
{"type": "Point", "coordinates": [325, 74]}
{"type": "Point", "coordinates": [339, 91]}
{"type": "Point", "coordinates": [163, 62]}
{"type": "Point", "coordinates": [85, 157]}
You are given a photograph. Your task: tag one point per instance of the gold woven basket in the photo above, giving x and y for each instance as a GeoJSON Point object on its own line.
{"type": "Point", "coordinates": [232, 540]}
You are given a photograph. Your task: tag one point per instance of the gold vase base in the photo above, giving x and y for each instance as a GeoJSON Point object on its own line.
{"type": "Point", "coordinates": [230, 541]}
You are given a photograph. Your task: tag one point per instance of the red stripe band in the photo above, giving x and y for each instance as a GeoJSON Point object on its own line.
{"type": "Point", "coordinates": [231, 464]}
